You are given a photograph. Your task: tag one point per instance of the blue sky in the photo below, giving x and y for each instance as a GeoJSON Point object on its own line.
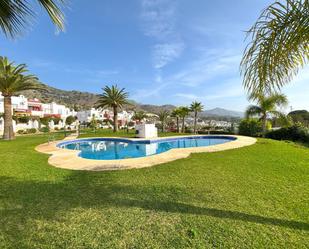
{"type": "Point", "coordinates": [161, 51]}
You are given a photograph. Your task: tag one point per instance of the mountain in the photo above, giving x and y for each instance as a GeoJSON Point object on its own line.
{"type": "Point", "coordinates": [72, 99]}
{"type": "Point", "coordinates": [222, 113]}
{"type": "Point", "coordinates": [85, 100]}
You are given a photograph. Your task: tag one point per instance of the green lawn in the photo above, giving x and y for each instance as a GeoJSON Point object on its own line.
{"type": "Point", "coordinates": [253, 197]}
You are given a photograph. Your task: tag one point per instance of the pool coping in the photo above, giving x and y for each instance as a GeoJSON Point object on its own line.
{"type": "Point", "coordinates": [69, 159]}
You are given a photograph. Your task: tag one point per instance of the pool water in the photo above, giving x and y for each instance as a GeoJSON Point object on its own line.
{"type": "Point", "coordinates": [111, 149]}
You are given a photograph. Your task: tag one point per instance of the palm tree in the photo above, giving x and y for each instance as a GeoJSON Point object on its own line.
{"type": "Point", "coordinates": [183, 113]}
{"type": "Point", "coordinates": [114, 98]}
{"type": "Point", "coordinates": [139, 116]}
{"type": "Point", "coordinates": [266, 105]}
{"type": "Point", "coordinates": [176, 114]}
{"type": "Point", "coordinates": [163, 116]}
{"type": "Point", "coordinates": [13, 80]}
{"type": "Point", "coordinates": [196, 107]}
{"type": "Point", "coordinates": [279, 46]}
{"type": "Point", "coordinates": [16, 15]}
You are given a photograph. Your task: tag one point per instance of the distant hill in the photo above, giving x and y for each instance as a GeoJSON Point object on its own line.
{"type": "Point", "coordinates": [222, 113]}
{"type": "Point", "coordinates": [85, 100]}
{"type": "Point", "coordinates": [77, 99]}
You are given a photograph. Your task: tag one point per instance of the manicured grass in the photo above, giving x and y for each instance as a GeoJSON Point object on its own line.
{"type": "Point", "coordinates": [253, 197]}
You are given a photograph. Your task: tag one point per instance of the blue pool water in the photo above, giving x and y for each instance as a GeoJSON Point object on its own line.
{"type": "Point", "coordinates": [110, 148]}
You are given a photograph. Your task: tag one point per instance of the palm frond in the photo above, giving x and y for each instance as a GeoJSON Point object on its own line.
{"type": "Point", "coordinates": [17, 16]}
{"type": "Point", "coordinates": [279, 46]}
{"type": "Point", "coordinates": [253, 110]}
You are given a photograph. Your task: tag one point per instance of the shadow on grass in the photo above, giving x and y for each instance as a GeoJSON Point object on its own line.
{"type": "Point", "coordinates": [44, 200]}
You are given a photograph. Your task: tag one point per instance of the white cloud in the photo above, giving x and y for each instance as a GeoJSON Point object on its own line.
{"type": "Point", "coordinates": [206, 68]}
{"type": "Point", "coordinates": [166, 53]}
{"type": "Point", "coordinates": [158, 17]}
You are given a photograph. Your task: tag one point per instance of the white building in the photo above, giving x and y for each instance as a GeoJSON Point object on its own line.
{"type": "Point", "coordinates": [87, 115]}
{"type": "Point", "coordinates": [34, 107]}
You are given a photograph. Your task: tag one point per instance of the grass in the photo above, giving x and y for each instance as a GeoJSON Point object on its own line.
{"type": "Point", "coordinates": [253, 197]}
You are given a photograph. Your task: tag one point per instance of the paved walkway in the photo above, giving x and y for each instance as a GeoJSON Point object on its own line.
{"type": "Point", "coordinates": [69, 159]}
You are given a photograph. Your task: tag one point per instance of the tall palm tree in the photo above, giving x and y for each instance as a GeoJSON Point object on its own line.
{"type": "Point", "coordinates": [176, 114]}
{"type": "Point", "coordinates": [183, 113]}
{"type": "Point", "coordinates": [114, 98]}
{"type": "Point", "coordinates": [163, 116]}
{"type": "Point", "coordinates": [266, 105]}
{"type": "Point", "coordinates": [196, 107]}
{"type": "Point", "coordinates": [279, 46]}
{"type": "Point", "coordinates": [17, 15]}
{"type": "Point", "coordinates": [12, 80]}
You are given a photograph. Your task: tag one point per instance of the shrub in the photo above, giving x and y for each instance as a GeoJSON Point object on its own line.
{"type": "Point", "coordinates": [222, 132]}
{"type": "Point", "coordinates": [56, 129]}
{"type": "Point", "coordinates": [70, 120]}
{"type": "Point", "coordinates": [56, 120]}
{"type": "Point", "coordinates": [44, 129]}
{"type": "Point", "coordinates": [250, 127]}
{"type": "Point", "coordinates": [45, 120]}
{"type": "Point", "coordinates": [293, 133]}
{"type": "Point", "coordinates": [20, 131]}
{"type": "Point", "coordinates": [23, 119]}
{"type": "Point", "coordinates": [31, 131]}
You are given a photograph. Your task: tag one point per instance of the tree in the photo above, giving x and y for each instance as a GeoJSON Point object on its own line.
{"type": "Point", "coordinates": [279, 46]}
{"type": "Point", "coordinates": [196, 107]}
{"type": "Point", "coordinates": [93, 123]}
{"type": "Point", "coordinates": [266, 105]}
{"type": "Point", "coordinates": [139, 116]}
{"type": "Point", "coordinates": [163, 116]}
{"type": "Point", "coordinates": [70, 120]}
{"type": "Point", "coordinates": [301, 116]}
{"type": "Point", "coordinates": [183, 113]}
{"type": "Point", "coordinates": [12, 80]}
{"type": "Point", "coordinates": [114, 98]}
{"type": "Point", "coordinates": [176, 114]}
{"type": "Point", "coordinates": [16, 15]}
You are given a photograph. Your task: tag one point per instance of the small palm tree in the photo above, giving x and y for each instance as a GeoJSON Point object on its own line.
{"type": "Point", "coordinates": [163, 116]}
{"type": "Point", "coordinates": [183, 113]}
{"type": "Point", "coordinates": [279, 46]}
{"type": "Point", "coordinates": [16, 15]}
{"type": "Point", "coordinates": [139, 116]}
{"type": "Point", "coordinates": [176, 114]}
{"type": "Point", "coordinates": [266, 105]}
{"type": "Point", "coordinates": [13, 80]}
{"type": "Point", "coordinates": [196, 107]}
{"type": "Point", "coordinates": [114, 98]}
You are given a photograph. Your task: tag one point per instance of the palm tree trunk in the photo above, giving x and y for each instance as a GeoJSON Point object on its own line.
{"type": "Point", "coordinates": [162, 126]}
{"type": "Point", "coordinates": [115, 119]}
{"type": "Point", "coordinates": [8, 133]}
{"type": "Point", "coordinates": [177, 121]}
{"type": "Point", "coordinates": [195, 117]}
{"type": "Point", "coordinates": [264, 124]}
{"type": "Point", "coordinates": [183, 125]}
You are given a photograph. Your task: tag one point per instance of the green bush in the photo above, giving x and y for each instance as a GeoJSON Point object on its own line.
{"type": "Point", "coordinates": [44, 129]}
{"type": "Point", "coordinates": [250, 127]}
{"type": "Point", "coordinates": [20, 131]}
{"type": "Point", "coordinates": [23, 119]}
{"type": "Point", "coordinates": [31, 131]}
{"type": "Point", "coordinates": [218, 132]}
{"type": "Point", "coordinates": [296, 132]}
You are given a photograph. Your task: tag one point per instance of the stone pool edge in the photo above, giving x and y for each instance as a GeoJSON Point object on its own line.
{"type": "Point", "coordinates": [69, 159]}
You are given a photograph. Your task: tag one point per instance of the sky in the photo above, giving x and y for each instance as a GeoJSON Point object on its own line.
{"type": "Point", "coordinates": [160, 51]}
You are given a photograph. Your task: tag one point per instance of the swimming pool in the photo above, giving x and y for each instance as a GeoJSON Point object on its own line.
{"type": "Point", "coordinates": [114, 148]}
